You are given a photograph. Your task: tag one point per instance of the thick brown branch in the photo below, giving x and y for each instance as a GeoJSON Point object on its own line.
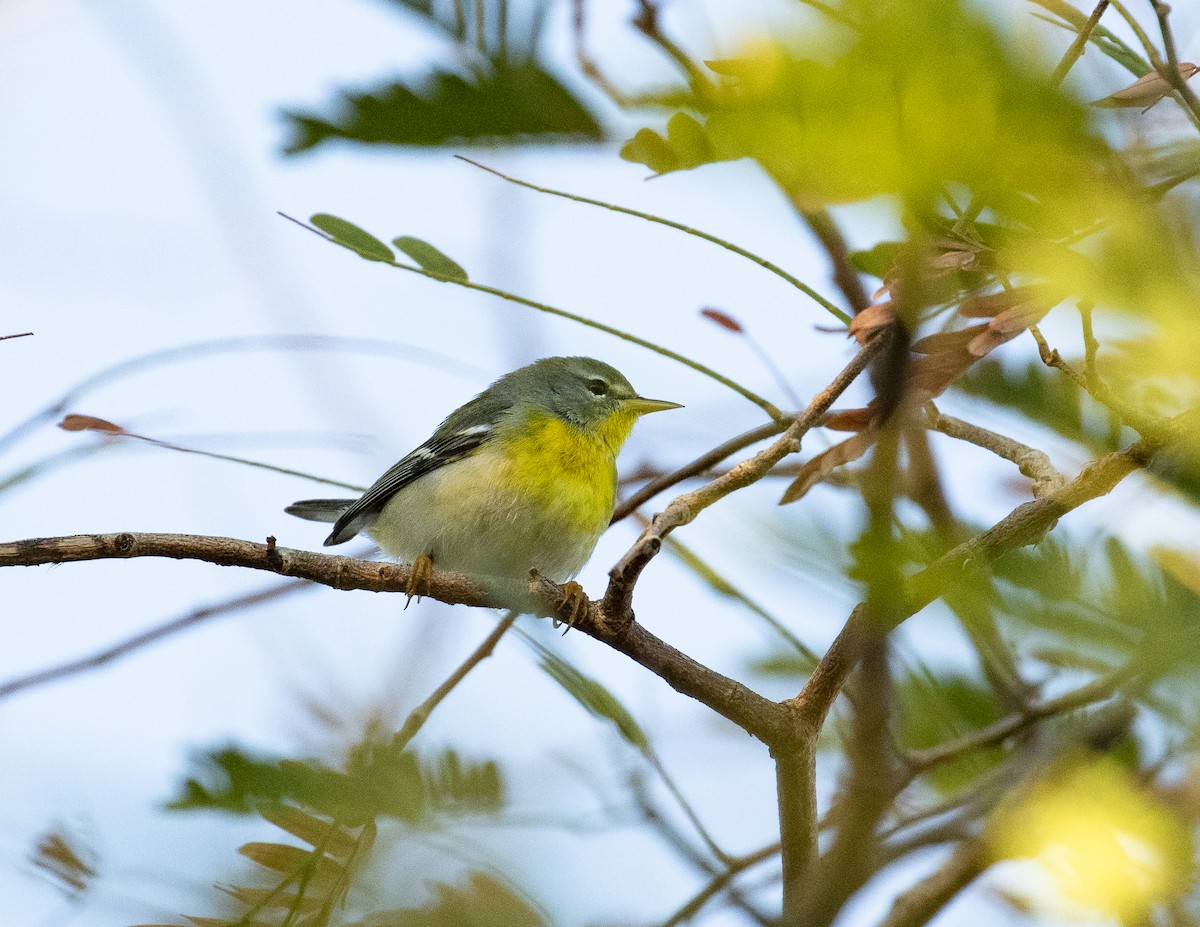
{"type": "Point", "coordinates": [741, 705]}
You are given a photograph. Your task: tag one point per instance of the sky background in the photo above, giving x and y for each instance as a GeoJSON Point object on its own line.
{"type": "Point", "coordinates": [140, 182]}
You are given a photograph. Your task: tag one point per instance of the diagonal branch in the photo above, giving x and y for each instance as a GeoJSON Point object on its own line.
{"type": "Point", "coordinates": [683, 509]}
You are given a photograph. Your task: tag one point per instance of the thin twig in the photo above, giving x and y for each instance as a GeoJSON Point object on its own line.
{"type": "Point", "coordinates": [647, 23]}
{"type": "Point", "coordinates": [419, 715]}
{"type": "Point", "coordinates": [735, 867]}
{"type": "Point", "coordinates": [587, 65]}
{"type": "Point", "coordinates": [21, 335]}
{"type": "Point", "coordinates": [685, 508]}
{"type": "Point", "coordinates": [759, 401]}
{"type": "Point", "coordinates": [1009, 726]}
{"type": "Point", "coordinates": [697, 467]}
{"type": "Point", "coordinates": [727, 245]}
{"type": "Point", "coordinates": [1030, 461]}
{"type": "Point", "coordinates": [145, 638]}
{"type": "Point", "coordinates": [1172, 74]}
{"type": "Point", "coordinates": [1148, 428]}
{"type": "Point", "coordinates": [1075, 50]}
{"type": "Point", "coordinates": [921, 903]}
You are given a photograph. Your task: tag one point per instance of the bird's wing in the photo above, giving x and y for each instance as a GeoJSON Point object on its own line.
{"type": "Point", "coordinates": [461, 434]}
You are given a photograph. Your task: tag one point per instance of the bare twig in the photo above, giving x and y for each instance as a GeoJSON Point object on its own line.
{"type": "Point", "coordinates": [1148, 428]}
{"type": "Point", "coordinates": [21, 335]}
{"type": "Point", "coordinates": [921, 903]}
{"type": "Point", "coordinates": [419, 715]}
{"type": "Point", "coordinates": [646, 22]}
{"type": "Point", "coordinates": [1030, 461]}
{"type": "Point", "coordinates": [1171, 73]}
{"type": "Point", "coordinates": [718, 883]}
{"type": "Point", "coordinates": [821, 224]}
{"type": "Point", "coordinates": [697, 467]}
{"type": "Point", "coordinates": [1075, 50]}
{"type": "Point", "coordinates": [591, 70]}
{"type": "Point", "coordinates": [145, 638]}
{"type": "Point", "coordinates": [683, 509]}
{"type": "Point", "coordinates": [1097, 690]}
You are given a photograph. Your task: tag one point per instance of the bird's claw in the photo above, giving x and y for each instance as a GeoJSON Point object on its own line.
{"type": "Point", "coordinates": [420, 579]}
{"type": "Point", "coordinates": [573, 602]}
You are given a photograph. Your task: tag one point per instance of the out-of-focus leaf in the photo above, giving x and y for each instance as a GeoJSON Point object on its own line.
{"type": "Point", "coordinates": [820, 466]}
{"type": "Point", "coordinates": [484, 902]}
{"type": "Point", "coordinates": [937, 706]}
{"type": "Point", "coordinates": [378, 781]}
{"type": "Point", "coordinates": [67, 859]}
{"type": "Point", "coordinates": [287, 859]}
{"type": "Point", "coordinates": [332, 837]}
{"type": "Point", "coordinates": [877, 260]}
{"type": "Point", "coordinates": [1102, 839]}
{"type": "Point", "coordinates": [1147, 90]}
{"type": "Point", "coordinates": [593, 696]}
{"type": "Point", "coordinates": [513, 103]}
{"type": "Point", "coordinates": [430, 258]}
{"type": "Point", "coordinates": [1044, 396]}
{"type": "Point", "coordinates": [351, 236]}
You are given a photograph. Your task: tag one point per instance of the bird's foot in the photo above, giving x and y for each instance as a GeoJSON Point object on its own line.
{"type": "Point", "coordinates": [573, 602]}
{"type": "Point", "coordinates": [419, 580]}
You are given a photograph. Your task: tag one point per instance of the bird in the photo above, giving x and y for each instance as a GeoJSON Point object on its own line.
{"type": "Point", "coordinates": [521, 478]}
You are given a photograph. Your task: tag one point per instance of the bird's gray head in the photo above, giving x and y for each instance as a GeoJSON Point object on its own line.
{"type": "Point", "coordinates": [580, 390]}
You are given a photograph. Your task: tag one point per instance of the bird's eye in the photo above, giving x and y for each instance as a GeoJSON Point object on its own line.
{"type": "Point", "coordinates": [597, 387]}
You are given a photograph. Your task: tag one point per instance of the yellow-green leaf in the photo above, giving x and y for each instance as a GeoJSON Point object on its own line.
{"type": "Point", "coordinates": [349, 235]}
{"type": "Point", "coordinates": [430, 259]}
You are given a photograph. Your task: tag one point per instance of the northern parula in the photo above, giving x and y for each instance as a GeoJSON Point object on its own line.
{"type": "Point", "coordinates": [523, 477]}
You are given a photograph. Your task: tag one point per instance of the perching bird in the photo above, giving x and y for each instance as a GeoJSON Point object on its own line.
{"type": "Point", "coordinates": [523, 477]}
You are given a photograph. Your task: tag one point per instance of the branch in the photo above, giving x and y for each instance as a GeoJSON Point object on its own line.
{"type": "Point", "coordinates": [145, 638]}
{"type": "Point", "coordinates": [1025, 525]}
{"type": "Point", "coordinates": [1076, 48]}
{"type": "Point", "coordinates": [994, 734]}
{"type": "Point", "coordinates": [419, 715]}
{"type": "Point", "coordinates": [736, 866]}
{"type": "Point", "coordinates": [743, 706]}
{"type": "Point", "coordinates": [618, 598]}
{"type": "Point", "coordinates": [700, 465]}
{"type": "Point", "coordinates": [921, 903]}
{"type": "Point", "coordinates": [1030, 461]}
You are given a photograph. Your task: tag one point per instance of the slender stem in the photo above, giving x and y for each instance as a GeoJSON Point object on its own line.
{"type": "Point", "coordinates": [759, 401]}
{"type": "Point", "coordinates": [21, 335]}
{"type": "Point", "coordinates": [1030, 461]}
{"type": "Point", "coordinates": [922, 903]}
{"type": "Point", "coordinates": [1075, 50]}
{"type": "Point", "coordinates": [143, 639]}
{"type": "Point", "coordinates": [419, 715]}
{"type": "Point", "coordinates": [1172, 74]}
{"type": "Point", "coordinates": [718, 883]}
{"type": "Point", "coordinates": [700, 465]}
{"type": "Point", "coordinates": [727, 245]}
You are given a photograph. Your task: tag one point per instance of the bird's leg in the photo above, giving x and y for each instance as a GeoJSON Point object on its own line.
{"type": "Point", "coordinates": [574, 602]}
{"type": "Point", "coordinates": [419, 579]}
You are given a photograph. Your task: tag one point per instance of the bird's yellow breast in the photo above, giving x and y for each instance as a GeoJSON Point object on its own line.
{"type": "Point", "coordinates": [571, 471]}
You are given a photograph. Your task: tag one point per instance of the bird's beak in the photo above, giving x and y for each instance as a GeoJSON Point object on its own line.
{"type": "Point", "coordinates": [645, 406]}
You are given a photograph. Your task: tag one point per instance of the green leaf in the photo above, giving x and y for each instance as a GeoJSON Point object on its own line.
{"type": "Point", "coordinates": [516, 103]}
{"type": "Point", "coordinates": [349, 235]}
{"type": "Point", "coordinates": [593, 696]}
{"type": "Point", "coordinates": [378, 781]}
{"type": "Point", "coordinates": [651, 149]}
{"type": "Point", "coordinates": [430, 258]}
{"type": "Point", "coordinates": [689, 142]}
{"type": "Point", "coordinates": [877, 261]}
{"type": "Point", "coordinates": [484, 902]}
